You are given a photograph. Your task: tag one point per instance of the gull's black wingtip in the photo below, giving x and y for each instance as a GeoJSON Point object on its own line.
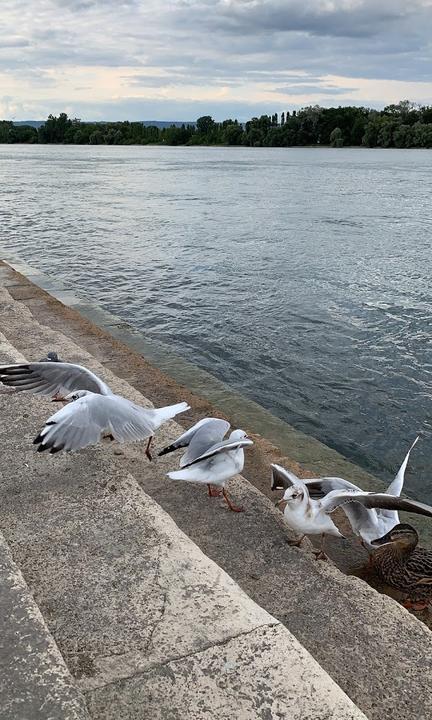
{"type": "Point", "coordinates": [276, 484]}
{"type": "Point", "coordinates": [56, 449]}
{"type": "Point", "coordinates": [167, 449]}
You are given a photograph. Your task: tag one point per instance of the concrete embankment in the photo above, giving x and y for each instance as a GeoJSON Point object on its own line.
{"type": "Point", "coordinates": [129, 569]}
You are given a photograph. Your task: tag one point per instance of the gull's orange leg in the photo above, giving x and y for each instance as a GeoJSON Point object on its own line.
{"type": "Point", "coordinates": [212, 491]}
{"type": "Point", "coordinates": [320, 554]}
{"type": "Point", "coordinates": [147, 451]}
{"type": "Point", "coordinates": [234, 508]}
{"type": "Point", "coordinates": [297, 543]}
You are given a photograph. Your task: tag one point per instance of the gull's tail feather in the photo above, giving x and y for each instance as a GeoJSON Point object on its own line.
{"type": "Point", "coordinates": [166, 413]}
{"type": "Point", "coordinates": [191, 474]}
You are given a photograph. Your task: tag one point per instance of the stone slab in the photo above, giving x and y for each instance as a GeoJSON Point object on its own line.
{"type": "Point", "coordinates": [252, 676]}
{"type": "Point", "coordinates": [35, 683]}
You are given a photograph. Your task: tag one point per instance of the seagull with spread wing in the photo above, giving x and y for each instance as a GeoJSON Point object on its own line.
{"type": "Point", "coordinates": [88, 415]}
{"type": "Point", "coordinates": [369, 513]}
{"type": "Point", "coordinates": [209, 459]}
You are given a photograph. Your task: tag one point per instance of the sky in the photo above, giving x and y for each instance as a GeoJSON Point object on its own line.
{"type": "Point", "coordinates": [179, 59]}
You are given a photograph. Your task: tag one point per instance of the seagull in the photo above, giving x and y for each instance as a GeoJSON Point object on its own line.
{"type": "Point", "coordinates": [199, 438]}
{"type": "Point", "coordinates": [209, 459]}
{"type": "Point", "coordinates": [52, 377]}
{"type": "Point", "coordinates": [367, 523]}
{"type": "Point", "coordinates": [302, 513]}
{"type": "Point", "coordinates": [311, 517]}
{"type": "Point", "coordinates": [88, 415]}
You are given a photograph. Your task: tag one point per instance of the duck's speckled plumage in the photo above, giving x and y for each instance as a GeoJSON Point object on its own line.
{"type": "Point", "coordinates": [403, 565]}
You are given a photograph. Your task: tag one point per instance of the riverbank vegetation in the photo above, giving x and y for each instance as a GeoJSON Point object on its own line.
{"type": "Point", "coordinates": [403, 125]}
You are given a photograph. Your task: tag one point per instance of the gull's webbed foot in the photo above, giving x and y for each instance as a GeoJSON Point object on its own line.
{"type": "Point", "coordinates": [234, 508]}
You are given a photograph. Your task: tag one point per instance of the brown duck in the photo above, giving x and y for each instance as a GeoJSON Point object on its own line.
{"type": "Point", "coordinates": [404, 566]}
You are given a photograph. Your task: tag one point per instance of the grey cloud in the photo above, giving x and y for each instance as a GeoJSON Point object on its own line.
{"type": "Point", "coordinates": [286, 46]}
{"type": "Point", "coordinates": [14, 42]}
{"type": "Point", "coordinates": [313, 90]}
{"type": "Point", "coordinates": [365, 19]}
{"type": "Point", "coordinates": [80, 5]}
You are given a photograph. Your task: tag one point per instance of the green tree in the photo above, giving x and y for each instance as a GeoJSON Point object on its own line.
{"type": "Point", "coordinates": [336, 138]}
{"type": "Point", "coordinates": [370, 137]}
{"type": "Point", "coordinates": [233, 134]}
{"type": "Point", "coordinates": [205, 124]}
{"type": "Point", "coordinates": [387, 127]}
{"type": "Point", "coordinates": [404, 136]}
{"type": "Point", "coordinates": [96, 137]}
{"type": "Point", "coordinates": [54, 129]}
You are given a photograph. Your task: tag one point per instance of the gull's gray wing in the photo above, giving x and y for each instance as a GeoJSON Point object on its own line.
{"type": "Point", "coordinates": [49, 378]}
{"type": "Point", "coordinates": [319, 487]}
{"type": "Point", "coordinates": [206, 437]}
{"type": "Point", "coordinates": [396, 487]}
{"type": "Point", "coordinates": [373, 501]}
{"type": "Point", "coordinates": [221, 447]}
{"type": "Point", "coordinates": [199, 438]}
{"type": "Point", "coordinates": [283, 479]}
{"type": "Point", "coordinates": [81, 423]}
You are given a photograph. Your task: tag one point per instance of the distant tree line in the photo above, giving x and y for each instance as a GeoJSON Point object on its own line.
{"type": "Point", "coordinates": [403, 125]}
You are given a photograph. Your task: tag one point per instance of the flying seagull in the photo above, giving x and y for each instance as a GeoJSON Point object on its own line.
{"type": "Point", "coordinates": [209, 459]}
{"type": "Point", "coordinates": [88, 415]}
{"type": "Point", "coordinates": [52, 378]}
{"type": "Point", "coordinates": [367, 523]}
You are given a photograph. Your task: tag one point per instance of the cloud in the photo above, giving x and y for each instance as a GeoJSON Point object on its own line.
{"type": "Point", "coordinates": [340, 18]}
{"type": "Point", "coordinates": [313, 90]}
{"type": "Point", "coordinates": [99, 55]}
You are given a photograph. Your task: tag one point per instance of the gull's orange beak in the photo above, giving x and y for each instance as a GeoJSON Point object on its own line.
{"type": "Point", "coordinates": [278, 504]}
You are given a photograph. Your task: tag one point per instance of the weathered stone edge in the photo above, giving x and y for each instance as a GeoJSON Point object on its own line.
{"type": "Point", "coordinates": [35, 683]}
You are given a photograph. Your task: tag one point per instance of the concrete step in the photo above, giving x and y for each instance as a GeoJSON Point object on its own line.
{"type": "Point", "coordinates": [148, 626]}
{"type": "Point", "coordinates": [35, 683]}
{"type": "Point", "coordinates": [355, 634]}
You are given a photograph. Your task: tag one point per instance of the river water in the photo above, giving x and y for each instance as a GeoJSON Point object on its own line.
{"type": "Point", "coordinates": [301, 277]}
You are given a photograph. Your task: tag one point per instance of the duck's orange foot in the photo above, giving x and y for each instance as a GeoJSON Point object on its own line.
{"type": "Point", "coordinates": [413, 605]}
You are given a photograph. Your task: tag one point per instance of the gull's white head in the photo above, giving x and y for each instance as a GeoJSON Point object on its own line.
{"type": "Point", "coordinates": [238, 435]}
{"type": "Point", "coordinates": [293, 495]}
{"type": "Point", "coordinates": [76, 395]}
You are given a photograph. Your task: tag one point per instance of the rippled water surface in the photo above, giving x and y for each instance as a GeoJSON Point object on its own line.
{"type": "Point", "coordinates": [302, 277]}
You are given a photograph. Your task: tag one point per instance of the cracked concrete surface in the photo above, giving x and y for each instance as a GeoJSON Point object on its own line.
{"type": "Point", "coordinates": [234, 671]}
{"type": "Point", "coordinates": [134, 606]}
